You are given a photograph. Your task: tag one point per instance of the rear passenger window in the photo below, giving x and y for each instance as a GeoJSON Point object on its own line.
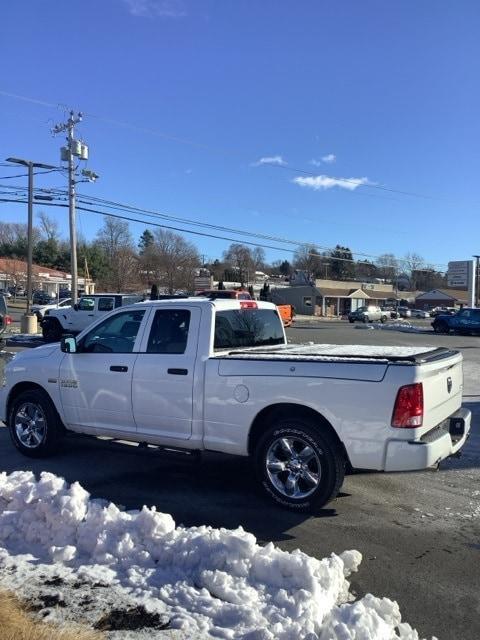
{"type": "Point", "coordinates": [105, 304]}
{"type": "Point", "coordinates": [169, 332]}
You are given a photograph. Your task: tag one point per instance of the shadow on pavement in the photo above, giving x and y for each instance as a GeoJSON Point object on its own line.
{"type": "Point", "coordinates": [219, 490]}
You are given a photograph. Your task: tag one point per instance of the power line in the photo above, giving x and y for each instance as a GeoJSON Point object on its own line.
{"type": "Point", "coordinates": [152, 213]}
{"type": "Point", "coordinates": [228, 152]}
{"type": "Point", "coordinates": [25, 175]}
{"type": "Point", "coordinates": [198, 233]}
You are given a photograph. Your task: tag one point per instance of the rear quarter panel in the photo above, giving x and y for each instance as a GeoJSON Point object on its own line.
{"type": "Point", "coordinates": [355, 398]}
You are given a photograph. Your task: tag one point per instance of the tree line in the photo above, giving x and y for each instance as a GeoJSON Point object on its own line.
{"type": "Point", "coordinates": [164, 258]}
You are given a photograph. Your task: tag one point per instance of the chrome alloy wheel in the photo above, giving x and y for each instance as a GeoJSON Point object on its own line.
{"type": "Point", "coordinates": [293, 467]}
{"type": "Point", "coordinates": [30, 425]}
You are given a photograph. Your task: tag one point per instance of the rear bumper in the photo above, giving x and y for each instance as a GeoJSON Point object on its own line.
{"type": "Point", "coordinates": [436, 445]}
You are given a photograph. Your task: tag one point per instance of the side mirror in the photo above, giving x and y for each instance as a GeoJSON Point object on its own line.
{"type": "Point", "coordinates": [68, 344]}
{"type": "Point", "coordinates": [75, 306]}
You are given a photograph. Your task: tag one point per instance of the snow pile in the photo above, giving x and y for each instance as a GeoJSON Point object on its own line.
{"type": "Point", "coordinates": [405, 327]}
{"type": "Point", "coordinates": [204, 581]}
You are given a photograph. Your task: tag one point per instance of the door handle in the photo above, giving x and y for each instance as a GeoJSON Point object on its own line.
{"type": "Point", "coordinates": [90, 315]}
{"type": "Point", "coordinates": [119, 368]}
{"type": "Point", "coordinates": [178, 372]}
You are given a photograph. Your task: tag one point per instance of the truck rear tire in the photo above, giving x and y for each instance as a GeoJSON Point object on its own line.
{"type": "Point", "coordinates": [34, 425]}
{"type": "Point", "coordinates": [51, 330]}
{"type": "Point", "coordinates": [299, 464]}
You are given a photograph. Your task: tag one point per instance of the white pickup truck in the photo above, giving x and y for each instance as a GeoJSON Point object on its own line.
{"type": "Point", "coordinates": [218, 375]}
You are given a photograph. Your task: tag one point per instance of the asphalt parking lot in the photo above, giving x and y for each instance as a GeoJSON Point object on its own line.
{"type": "Point", "coordinates": [419, 533]}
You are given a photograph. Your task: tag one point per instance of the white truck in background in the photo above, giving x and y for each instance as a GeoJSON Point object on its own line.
{"type": "Point", "coordinates": [197, 374]}
{"type": "Point", "coordinates": [61, 319]}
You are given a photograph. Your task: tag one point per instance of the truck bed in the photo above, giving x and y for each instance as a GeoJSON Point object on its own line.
{"type": "Point", "coordinates": [340, 353]}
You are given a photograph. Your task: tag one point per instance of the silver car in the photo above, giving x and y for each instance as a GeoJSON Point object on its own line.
{"type": "Point", "coordinates": [368, 314]}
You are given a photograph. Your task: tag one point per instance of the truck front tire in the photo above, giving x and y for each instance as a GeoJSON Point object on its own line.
{"type": "Point", "coordinates": [34, 425]}
{"type": "Point", "coordinates": [440, 327]}
{"type": "Point", "coordinates": [299, 464]}
{"type": "Point", "coordinates": [51, 330]}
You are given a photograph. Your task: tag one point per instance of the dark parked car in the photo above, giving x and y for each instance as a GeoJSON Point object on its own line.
{"type": "Point", "coordinates": [464, 322]}
{"type": "Point", "coordinates": [42, 297]}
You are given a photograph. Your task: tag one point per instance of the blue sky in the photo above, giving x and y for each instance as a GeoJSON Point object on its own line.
{"type": "Point", "coordinates": [380, 92]}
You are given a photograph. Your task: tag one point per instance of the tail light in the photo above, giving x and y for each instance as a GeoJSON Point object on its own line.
{"type": "Point", "coordinates": [248, 304]}
{"type": "Point", "coordinates": [8, 320]}
{"type": "Point", "coordinates": [408, 410]}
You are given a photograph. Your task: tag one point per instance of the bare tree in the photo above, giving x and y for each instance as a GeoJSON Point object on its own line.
{"type": "Point", "coordinates": [387, 266]}
{"type": "Point", "coordinates": [48, 228]}
{"type": "Point", "coordinates": [116, 243]}
{"type": "Point", "coordinates": [258, 258]}
{"type": "Point", "coordinates": [413, 263]}
{"type": "Point", "coordinates": [240, 259]}
{"type": "Point", "coordinates": [170, 261]}
{"type": "Point", "coordinates": [307, 258]}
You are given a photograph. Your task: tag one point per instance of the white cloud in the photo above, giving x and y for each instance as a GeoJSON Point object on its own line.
{"type": "Point", "coordinates": [156, 8]}
{"type": "Point", "coordinates": [328, 159]}
{"type": "Point", "coordinates": [322, 183]}
{"type": "Point", "coordinates": [278, 160]}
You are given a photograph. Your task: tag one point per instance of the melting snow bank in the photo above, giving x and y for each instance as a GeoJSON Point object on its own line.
{"type": "Point", "coordinates": [85, 560]}
{"type": "Point", "coordinates": [406, 327]}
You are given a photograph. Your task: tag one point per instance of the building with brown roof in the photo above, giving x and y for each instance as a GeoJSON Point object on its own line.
{"type": "Point", "coordinates": [13, 272]}
{"type": "Point", "coordinates": [442, 298]}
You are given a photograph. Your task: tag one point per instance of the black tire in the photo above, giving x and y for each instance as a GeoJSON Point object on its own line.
{"type": "Point", "coordinates": [351, 320]}
{"type": "Point", "coordinates": [50, 429]}
{"type": "Point", "coordinates": [365, 319]}
{"type": "Point", "coordinates": [440, 327]}
{"type": "Point", "coordinates": [383, 319]}
{"type": "Point", "coordinates": [328, 459]}
{"type": "Point", "coordinates": [51, 330]}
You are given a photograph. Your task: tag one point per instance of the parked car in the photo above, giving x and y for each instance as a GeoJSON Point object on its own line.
{"type": "Point", "coordinates": [6, 293]}
{"type": "Point", "coordinates": [464, 321]}
{"type": "Point", "coordinates": [5, 319]}
{"type": "Point", "coordinates": [17, 291]}
{"type": "Point", "coordinates": [443, 311]}
{"type": "Point", "coordinates": [42, 297]}
{"type": "Point", "coordinates": [404, 312]}
{"type": "Point", "coordinates": [40, 310]}
{"type": "Point", "coordinates": [368, 314]}
{"type": "Point", "coordinates": [421, 313]}
{"type": "Point", "coordinates": [390, 312]}
{"type": "Point", "coordinates": [205, 375]}
{"type": "Point", "coordinates": [89, 308]}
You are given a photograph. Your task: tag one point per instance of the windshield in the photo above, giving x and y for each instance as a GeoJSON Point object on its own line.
{"type": "Point", "coordinates": [247, 328]}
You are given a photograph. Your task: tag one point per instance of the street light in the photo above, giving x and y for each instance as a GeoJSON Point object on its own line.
{"type": "Point", "coordinates": [30, 166]}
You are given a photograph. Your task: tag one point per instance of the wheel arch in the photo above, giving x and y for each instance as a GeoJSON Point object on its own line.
{"type": "Point", "coordinates": [284, 409]}
{"type": "Point", "coordinates": [28, 385]}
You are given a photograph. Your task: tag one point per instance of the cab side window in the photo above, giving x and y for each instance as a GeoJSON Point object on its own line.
{"type": "Point", "coordinates": [169, 332]}
{"type": "Point", "coordinates": [116, 334]}
{"type": "Point", "coordinates": [105, 304]}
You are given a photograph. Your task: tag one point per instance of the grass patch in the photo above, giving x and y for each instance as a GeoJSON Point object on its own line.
{"type": "Point", "coordinates": [17, 624]}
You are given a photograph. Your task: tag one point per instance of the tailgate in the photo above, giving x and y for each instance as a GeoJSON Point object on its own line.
{"type": "Point", "coordinates": [442, 388]}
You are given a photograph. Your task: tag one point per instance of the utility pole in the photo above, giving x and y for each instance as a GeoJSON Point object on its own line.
{"type": "Point", "coordinates": [476, 283]}
{"type": "Point", "coordinates": [72, 149]}
{"type": "Point", "coordinates": [27, 325]}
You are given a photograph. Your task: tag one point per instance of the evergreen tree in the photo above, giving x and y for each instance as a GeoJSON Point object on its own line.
{"type": "Point", "coordinates": [147, 239]}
